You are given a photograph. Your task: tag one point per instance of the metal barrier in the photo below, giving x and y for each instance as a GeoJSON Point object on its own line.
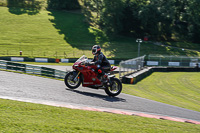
{"type": "Point", "coordinates": [16, 66]}
{"type": "Point", "coordinates": [31, 69]}
{"type": "Point", "coordinates": [129, 66]}
{"type": "Point", "coordinates": [3, 64]}
{"type": "Point", "coordinates": [172, 61]}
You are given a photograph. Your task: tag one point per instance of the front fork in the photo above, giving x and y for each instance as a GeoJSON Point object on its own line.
{"type": "Point", "coordinates": [75, 79]}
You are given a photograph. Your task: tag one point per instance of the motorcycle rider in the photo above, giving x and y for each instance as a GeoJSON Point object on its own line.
{"type": "Point", "coordinates": [101, 61]}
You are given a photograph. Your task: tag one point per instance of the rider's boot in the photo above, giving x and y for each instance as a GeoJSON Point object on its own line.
{"type": "Point", "coordinates": [105, 79]}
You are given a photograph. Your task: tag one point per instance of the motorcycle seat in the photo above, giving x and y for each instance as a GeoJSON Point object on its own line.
{"type": "Point", "coordinates": [106, 69]}
{"type": "Point", "coordinates": [113, 68]}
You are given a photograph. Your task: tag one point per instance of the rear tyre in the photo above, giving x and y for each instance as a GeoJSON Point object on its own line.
{"type": "Point", "coordinates": [70, 82]}
{"type": "Point", "coordinates": [115, 88]}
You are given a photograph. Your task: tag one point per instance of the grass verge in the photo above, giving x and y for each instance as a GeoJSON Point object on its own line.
{"type": "Point", "coordinates": [175, 88]}
{"type": "Point", "coordinates": [28, 117]}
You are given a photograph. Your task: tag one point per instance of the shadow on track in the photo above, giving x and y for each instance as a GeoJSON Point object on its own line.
{"type": "Point", "coordinates": [104, 97]}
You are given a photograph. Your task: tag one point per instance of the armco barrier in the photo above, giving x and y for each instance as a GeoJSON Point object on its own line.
{"type": "Point", "coordinates": [16, 66]}
{"type": "Point", "coordinates": [3, 64]}
{"type": "Point", "coordinates": [51, 60]}
{"type": "Point", "coordinates": [31, 69]}
{"type": "Point", "coordinates": [49, 72]}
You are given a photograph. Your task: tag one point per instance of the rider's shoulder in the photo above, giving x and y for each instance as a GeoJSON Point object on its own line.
{"type": "Point", "coordinates": [101, 54]}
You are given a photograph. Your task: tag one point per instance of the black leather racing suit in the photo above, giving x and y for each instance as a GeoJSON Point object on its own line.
{"type": "Point", "coordinates": [103, 63]}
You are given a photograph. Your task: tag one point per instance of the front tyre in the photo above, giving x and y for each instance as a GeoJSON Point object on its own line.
{"type": "Point", "coordinates": [72, 82]}
{"type": "Point", "coordinates": [115, 88]}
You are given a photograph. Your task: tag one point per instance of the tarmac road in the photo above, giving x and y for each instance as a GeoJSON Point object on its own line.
{"type": "Point", "coordinates": [39, 88]}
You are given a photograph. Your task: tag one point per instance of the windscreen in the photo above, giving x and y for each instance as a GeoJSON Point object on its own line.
{"type": "Point", "coordinates": [82, 59]}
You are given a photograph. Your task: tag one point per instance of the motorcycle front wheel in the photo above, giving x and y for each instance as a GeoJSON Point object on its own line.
{"type": "Point", "coordinates": [70, 82]}
{"type": "Point", "coordinates": [115, 88]}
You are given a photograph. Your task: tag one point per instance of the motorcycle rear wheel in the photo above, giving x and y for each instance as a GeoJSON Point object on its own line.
{"type": "Point", "coordinates": [70, 83]}
{"type": "Point", "coordinates": [115, 88]}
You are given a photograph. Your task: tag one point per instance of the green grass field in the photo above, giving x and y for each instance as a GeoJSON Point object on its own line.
{"type": "Point", "coordinates": [181, 89]}
{"type": "Point", "coordinates": [22, 117]}
{"type": "Point", "coordinates": [42, 34]}
{"type": "Point", "coordinates": [63, 35]}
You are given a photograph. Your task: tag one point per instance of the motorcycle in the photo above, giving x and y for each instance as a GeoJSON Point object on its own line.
{"type": "Point", "coordinates": [86, 73]}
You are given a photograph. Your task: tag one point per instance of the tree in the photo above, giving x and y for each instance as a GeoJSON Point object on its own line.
{"type": "Point", "coordinates": [194, 20]}
{"type": "Point", "coordinates": [63, 4]}
{"type": "Point", "coordinates": [110, 17]}
{"type": "Point", "coordinates": [130, 20]}
{"type": "Point", "coordinates": [156, 18]}
{"type": "Point", "coordinates": [159, 19]}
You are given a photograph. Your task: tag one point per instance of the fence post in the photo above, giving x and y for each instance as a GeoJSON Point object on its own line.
{"type": "Point", "coordinates": [160, 61]}
{"type": "Point", "coordinates": [55, 54]}
{"type": "Point", "coordinates": [119, 69]}
{"type": "Point", "coordinates": [65, 55]}
{"type": "Point", "coordinates": [181, 61]}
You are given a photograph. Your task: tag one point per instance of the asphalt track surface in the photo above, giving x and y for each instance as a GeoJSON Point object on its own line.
{"type": "Point", "coordinates": [22, 86]}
